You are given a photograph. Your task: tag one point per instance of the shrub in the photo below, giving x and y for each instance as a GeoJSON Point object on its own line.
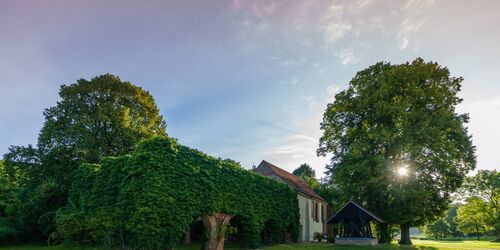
{"type": "Point", "coordinates": [8, 233]}
{"type": "Point", "coordinates": [318, 236]}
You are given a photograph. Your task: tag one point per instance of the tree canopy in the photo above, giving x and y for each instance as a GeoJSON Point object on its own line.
{"type": "Point", "coordinates": [147, 199]}
{"type": "Point", "coordinates": [398, 145]}
{"type": "Point", "coordinates": [101, 117]}
{"type": "Point", "coordinates": [308, 174]}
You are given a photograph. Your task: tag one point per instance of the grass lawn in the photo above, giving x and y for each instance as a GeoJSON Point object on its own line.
{"type": "Point", "coordinates": [417, 244]}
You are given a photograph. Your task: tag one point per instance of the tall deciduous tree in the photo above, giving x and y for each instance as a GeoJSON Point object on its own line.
{"type": "Point", "coordinates": [307, 174]}
{"type": "Point", "coordinates": [101, 117]}
{"type": "Point", "coordinates": [398, 145]}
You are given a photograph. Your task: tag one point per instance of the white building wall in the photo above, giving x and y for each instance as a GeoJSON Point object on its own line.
{"type": "Point", "coordinates": [308, 225]}
{"type": "Point", "coordinates": [316, 227]}
{"type": "Point", "coordinates": [304, 218]}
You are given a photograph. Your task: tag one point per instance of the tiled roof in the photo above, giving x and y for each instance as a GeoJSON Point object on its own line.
{"type": "Point", "coordinates": [294, 181]}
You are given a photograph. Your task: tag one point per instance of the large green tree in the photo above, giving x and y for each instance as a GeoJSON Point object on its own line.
{"type": "Point", "coordinates": [308, 174]}
{"type": "Point", "coordinates": [485, 185]}
{"type": "Point", "coordinates": [398, 145]}
{"type": "Point", "coordinates": [101, 117]}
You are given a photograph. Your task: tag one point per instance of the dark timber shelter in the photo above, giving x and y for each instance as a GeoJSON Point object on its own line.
{"type": "Point", "coordinates": [354, 221]}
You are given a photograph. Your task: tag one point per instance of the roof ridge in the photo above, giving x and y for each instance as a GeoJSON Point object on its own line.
{"type": "Point", "coordinates": [367, 211]}
{"type": "Point", "coordinates": [360, 207]}
{"type": "Point", "coordinates": [293, 180]}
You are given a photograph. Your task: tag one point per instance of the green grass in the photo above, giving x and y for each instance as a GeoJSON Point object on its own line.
{"type": "Point", "coordinates": [417, 244]}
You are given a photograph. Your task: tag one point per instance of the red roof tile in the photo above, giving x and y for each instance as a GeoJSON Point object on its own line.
{"type": "Point", "coordinates": [294, 181]}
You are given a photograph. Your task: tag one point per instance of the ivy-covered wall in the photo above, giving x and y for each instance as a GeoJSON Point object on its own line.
{"type": "Point", "coordinates": [148, 199]}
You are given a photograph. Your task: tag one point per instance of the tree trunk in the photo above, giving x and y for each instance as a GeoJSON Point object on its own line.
{"type": "Point", "coordinates": [405, 235]}
{"type": "Point", "coordinates": [384, 236]}
{"type": "Point", "coordinates": [477, 232]}
{"type": "Point", "coordinates": [215, 225]}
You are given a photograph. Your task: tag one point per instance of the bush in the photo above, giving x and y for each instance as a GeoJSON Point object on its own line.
{"type": "Point", "coordinates": [318, 237]}
{"type": "Point", "coordinates": [8, 233]}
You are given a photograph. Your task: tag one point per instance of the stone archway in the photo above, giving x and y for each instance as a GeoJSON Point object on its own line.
{"type": "Point", "coordinates": [215, 226]}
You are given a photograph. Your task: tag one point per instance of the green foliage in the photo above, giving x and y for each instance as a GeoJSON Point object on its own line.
{"type": "Point", "coordinates": [101, 117]}
{"type": "Point", "coordinates": [331, 193]}
{"type": "Point", "coordinates": [8, 187]}
{"type": "Point", "coordinates": [438, 230]}
{"type": "Point", "coordinates": [450, 218]}
{"type": "Point", "coordinates": [304, 171]}
{"type": "Point", "coordinates": [386, 232]}
{"type": "Point", "coordinates": [307, 174]}
{"type": "Point", "coordinates": [485, 185]}
{"type": "Point", "coordinates": [471, 217]}
{"type": "Point", "coordinates": [318, 236]}
{"type": "Point", "coordinates": [394, 115]}
{"type": "Point", "coordinates": [6, 190]}
{"type": "Point", "coordinates": [150, 197]}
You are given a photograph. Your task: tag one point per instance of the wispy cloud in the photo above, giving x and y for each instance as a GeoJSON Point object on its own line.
{"type": "Point", "coordinates": [335, 27]}
{"type": "Point", "coordinates": [414, 18]}
{"type": "Point", "coordinates": [274, 126]}
{"type": "Point", "coordinates": [255, 8]}
{"type": "Point", "coordinates": [311, 101]}
{"type": "Point", "coordinates": [331, 91]}
{"type": "Point", "coordinates": [347, 56]}
{"type": "Point", "coordinates": [300, 145]}
{"type": "Point", "coordinates": [335, 31]}
{"type": "Point", "coordinates": [362, 3]}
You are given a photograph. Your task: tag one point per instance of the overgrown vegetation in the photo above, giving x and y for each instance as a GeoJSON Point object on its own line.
{"type": "Point", "coordinates": [147, 199]}
{"type": "Point", "coordinates": [101, 117]}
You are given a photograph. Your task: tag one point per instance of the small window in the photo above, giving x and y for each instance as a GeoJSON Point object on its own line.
{"type": "Point", "coordinates": [317, 212]}
{"type": "Point", "coordinates": [312, 210]}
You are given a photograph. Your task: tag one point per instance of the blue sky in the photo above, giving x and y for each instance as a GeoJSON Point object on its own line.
{"type": "Point", "coordinates": [247, 80]}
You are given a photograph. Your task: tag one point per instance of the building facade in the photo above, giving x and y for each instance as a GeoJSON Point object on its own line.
{"type": "Point", "coordinates": [314, 210]}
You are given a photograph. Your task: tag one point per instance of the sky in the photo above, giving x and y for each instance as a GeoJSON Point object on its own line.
{"type": "Point", "coordinates": [240, 79]}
